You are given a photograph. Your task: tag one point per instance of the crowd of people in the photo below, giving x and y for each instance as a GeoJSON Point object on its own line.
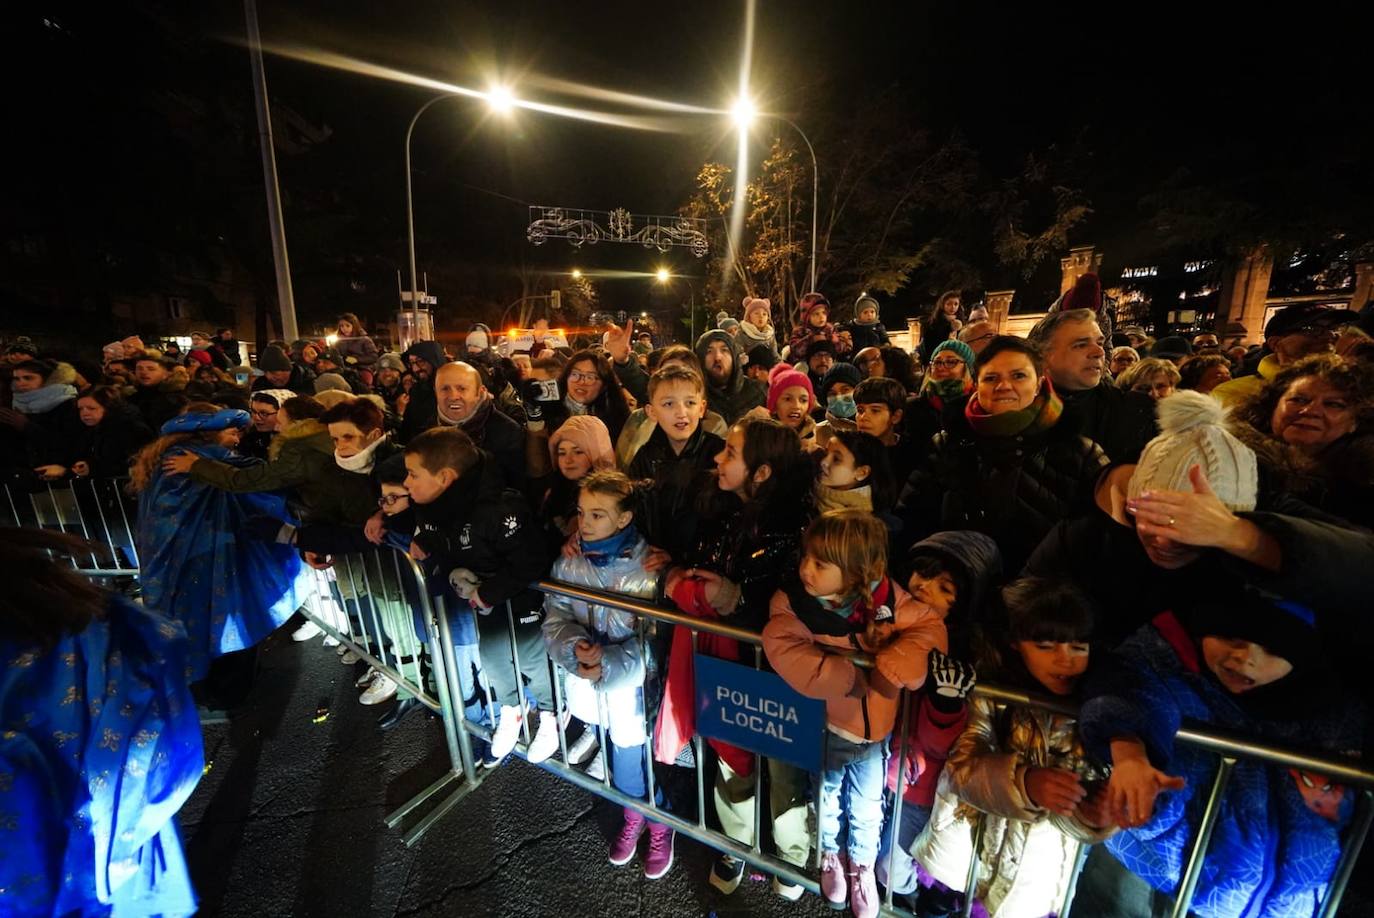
{"type": "Point", "coordinates": [1151, 530]}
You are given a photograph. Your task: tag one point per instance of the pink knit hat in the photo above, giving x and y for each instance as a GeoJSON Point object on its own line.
{"type": "Point", "coordinates": [781, 378]}
{"type": "Point", "coordinates": [591, 434]}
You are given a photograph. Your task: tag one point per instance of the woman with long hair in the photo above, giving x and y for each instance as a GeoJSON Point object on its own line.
{"type": "Point", "coordinates": [588, 385]}
{"type": "Point", "coordinates": [200, 564]}
{"type": "Point", "coordinates": [939, 324]}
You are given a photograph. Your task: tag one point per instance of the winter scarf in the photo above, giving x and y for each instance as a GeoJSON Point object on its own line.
{"type": "Point", "coordinates": [764, 334]}
{"type": "Point", "coordinates": [45, 399]}
{"type": "Point", "coordinates": [1039, 416]}
{"type": "Point", "coordinates": [939, 391]}
{"type": "Point", "coordinates": [602, 552]}
{"type": "Point", "coordinates": [362, 461]}
{"type": "Point", "coordinates": [828, 498]}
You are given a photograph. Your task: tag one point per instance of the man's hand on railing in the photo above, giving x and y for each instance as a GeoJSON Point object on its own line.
{"type": "Point", "coordinates": [51, 472]}
{"type": "Point", "coordinates": [317, 561]}
{"type": "Point", "coordinates": [1135, 784]}
{"type": "Point", "coordinates": [375, 528]}
{"type": "Point", "coordinates": [1055, 789]}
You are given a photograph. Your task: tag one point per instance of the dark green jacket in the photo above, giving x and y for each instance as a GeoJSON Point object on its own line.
{"type": "Point", "coordinates": [302, 461]}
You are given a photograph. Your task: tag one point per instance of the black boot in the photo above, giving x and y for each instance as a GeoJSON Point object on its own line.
{"type": "Point", "coordinates": [403, 709]}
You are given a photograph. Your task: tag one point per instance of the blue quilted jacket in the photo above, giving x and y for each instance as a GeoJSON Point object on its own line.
{"type": "Point", "coordinates": [1271, 856]}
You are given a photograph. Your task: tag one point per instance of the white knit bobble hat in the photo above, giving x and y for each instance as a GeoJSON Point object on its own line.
{"type": "Point", "coordinates": [1192, 433]}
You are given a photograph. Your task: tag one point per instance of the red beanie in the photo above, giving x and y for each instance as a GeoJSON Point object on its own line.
{"type": "Point", "coordinates": [1086, 293]}
{"type": "Point", "coordinates": [778, 382]}
{"type": "Point", "coordinates": [202, 356]}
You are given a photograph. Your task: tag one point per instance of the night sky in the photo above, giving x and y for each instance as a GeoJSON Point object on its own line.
{"type": "Point", "coordinates": [1147, 90]}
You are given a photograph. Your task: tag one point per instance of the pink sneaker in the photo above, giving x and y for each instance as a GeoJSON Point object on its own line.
{"type": "Point", "coordinates": [623, 848]}
{"type": "Point", "coordinates": [833, 889]}
{"type": "Point", "coordinates": [659, 860]}
{"type": "Point", "coordinates": [863, 891]}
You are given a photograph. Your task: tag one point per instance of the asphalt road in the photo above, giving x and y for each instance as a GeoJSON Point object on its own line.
{"type": "Point", "coordinates": [288, 820]}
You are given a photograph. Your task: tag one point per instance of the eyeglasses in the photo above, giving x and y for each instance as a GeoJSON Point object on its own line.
{"type": "Point", "coordinates": [947, 364]}
{"type": "Point", "coordinates": [576, 376]}
{"type": "Point", "coordinates": [391, 500]}
{"type": "Point", "coordinates": [264, 415]}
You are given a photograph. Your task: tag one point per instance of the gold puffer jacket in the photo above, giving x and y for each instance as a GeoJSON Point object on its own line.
{"type": "Point", "coordinates": [1027, 853]}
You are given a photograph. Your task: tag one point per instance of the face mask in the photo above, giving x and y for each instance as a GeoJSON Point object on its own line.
{"type": "Point", "coordinates": [841, 406]}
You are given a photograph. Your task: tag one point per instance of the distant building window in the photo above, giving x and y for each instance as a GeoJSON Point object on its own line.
{"type": "Point", "coordinates": [1151, 271]}
{"type": "Point", "coordinates": [178, 307]}
{"type": "Point", "coordinates": [1192, 267]}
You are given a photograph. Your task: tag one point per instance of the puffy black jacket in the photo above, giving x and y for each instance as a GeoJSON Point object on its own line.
{"type": "Point", "coordinates": [108, 446]}
{"type": "Point", "coordinates": [481, 525]}
{"type": "Point", "coordinates": [159, 404]}
{"type": "Point", "coordinates": [670, 519]}
{"type": "Point", "coordinates": [1014, 489]}
{"type": "Point", "coordinates": [1120, 422]}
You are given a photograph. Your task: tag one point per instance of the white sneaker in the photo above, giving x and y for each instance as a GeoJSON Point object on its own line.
{"type": "Point", "coordinates": [545, 742]}
{"type": "Point", "coordinates": [349, 657]}
{"type": "Point", "coordinates": [584, 748]}
{"type": "Point", "coordinates": [331, 641]}
{"type": "Point", "coordinates": [366, 678]}
{"type": "Point", "coordinates": [594, 769]}
{"type": "Point", "coordinates": [381, 689]}
{"type": "Point", "coordinates": [507, 732]}
{"type": "Point", "coordinates": [306, 632]}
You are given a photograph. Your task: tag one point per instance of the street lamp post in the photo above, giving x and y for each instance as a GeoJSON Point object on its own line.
{"type": "Point", "coordinates": [501, 100]}
{"type": "Point", "coordinates": [410, 212]}
{"type": "Point", "coordinates": [745, 114]}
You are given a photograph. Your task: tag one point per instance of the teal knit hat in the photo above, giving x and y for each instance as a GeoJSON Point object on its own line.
{"type": "Point", "coordinates": [958, 347]}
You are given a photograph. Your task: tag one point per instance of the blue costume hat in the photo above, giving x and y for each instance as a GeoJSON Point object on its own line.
{"type": "Point", "coordinates": [223, 419]}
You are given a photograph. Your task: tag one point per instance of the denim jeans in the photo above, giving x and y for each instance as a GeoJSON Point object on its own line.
{"type": "Point", "coordinates": [903, 874]}
{"type": "Point", "coordinates": [850, 798]}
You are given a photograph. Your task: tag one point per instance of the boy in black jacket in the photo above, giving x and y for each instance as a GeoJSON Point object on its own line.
{"type": "Point", "coordinates": [483, 538]}
{"type": "Point", "coordinates": [678, 457]}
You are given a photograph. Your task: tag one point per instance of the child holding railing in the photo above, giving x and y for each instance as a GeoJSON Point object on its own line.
{"type": "Point", "coordinates": [601, 652]}
{"type": "Point", "coordinates": [844, 600]}
{"type": "Point", "coordinates": [1022, 768]}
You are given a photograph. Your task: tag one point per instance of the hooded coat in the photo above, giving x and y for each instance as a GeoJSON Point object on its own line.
{"type": "Point", "coordinates": [739, 394]}
{"type": "Point", "coordinates": [1270, 854]}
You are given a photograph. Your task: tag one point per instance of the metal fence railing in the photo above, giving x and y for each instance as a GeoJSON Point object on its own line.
{"type": "Point", "coordinates": [99, 510]}
{"type": "Point", "coordinates": [378, 605]}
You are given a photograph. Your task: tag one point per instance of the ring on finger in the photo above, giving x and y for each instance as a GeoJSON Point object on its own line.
{"type": "Point", "coordinates": [1171, 521]}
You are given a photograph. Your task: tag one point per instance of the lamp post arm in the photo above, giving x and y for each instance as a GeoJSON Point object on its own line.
{"type": "Point", "coordinates": [815, 197]}
{"type": "Point", "coordinates": [410, 211]}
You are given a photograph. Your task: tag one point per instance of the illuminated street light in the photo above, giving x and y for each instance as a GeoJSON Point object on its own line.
{"type": "Point", "coordinates": [577, 273]}
{"type": "Point", "coordinates": [663, 274]}
{"type": "Point", "coordinates": [744, 112]}
{"type": "Point", "coordinates": [501, 99]}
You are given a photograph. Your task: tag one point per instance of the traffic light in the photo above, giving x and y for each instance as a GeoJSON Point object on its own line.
{"type": "Point", "coordinates": [556, 299]}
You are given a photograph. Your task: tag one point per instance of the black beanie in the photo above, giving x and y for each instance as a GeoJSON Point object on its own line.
{"type": "Point", "coordinates": [1284, 629]}
{"type": "Point", "coordinates": [273, 360]}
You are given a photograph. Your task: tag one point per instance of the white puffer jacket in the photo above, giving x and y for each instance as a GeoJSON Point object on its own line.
{"type": "Point", "coordinates": [615, 700]}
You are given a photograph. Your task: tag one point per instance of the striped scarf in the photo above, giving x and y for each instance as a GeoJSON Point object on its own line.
{"type": "Point", "coordinates": [1039, 416]}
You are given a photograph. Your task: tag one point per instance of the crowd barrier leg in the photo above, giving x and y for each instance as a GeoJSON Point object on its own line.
{"type": "Point", "coordinates": [1080, 857]}
{"type": "Point", "coordinates": [1188, 883]}
{"type": "Point", "coordinates": [971, 878]}
{"type": "Point", "coordinates": [370, 644]}
{"type": "Point", "coordinates": [904, 725]}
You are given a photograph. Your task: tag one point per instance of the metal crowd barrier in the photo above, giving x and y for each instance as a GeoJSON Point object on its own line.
{"type": "Point", "coordinates": [375, 594]}
{"type": "Point", "coordinates": [99, 510]}
{"type": "Point", "coordinates": [1230, 748]}
{"type": "Point", "coordinates": [371, 603]}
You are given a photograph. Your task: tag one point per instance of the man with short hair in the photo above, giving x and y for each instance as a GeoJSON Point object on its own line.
{"type": "Point", "coordinates": [419, 411]}
{"type": "Point", "coordinates": [463, 401]}
{"type": "Point", "coordinates": [977, 335]}
{"type": "Point", "coordinates": [1206, 343]}
{"type": "Point", "coordinates": [729, 392]}
{"type": "Point", "coordinates": [1293, 333]}
{"type": "Point", "coordinates": [820, 357]}
{"type": "Point", "coordinates": [158, 395]}
{"type": "Point", "coordinates": [1120, 422]}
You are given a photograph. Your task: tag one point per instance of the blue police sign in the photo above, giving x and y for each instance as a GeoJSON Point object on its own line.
{"type": "Point", "coordinates": [758, 711]}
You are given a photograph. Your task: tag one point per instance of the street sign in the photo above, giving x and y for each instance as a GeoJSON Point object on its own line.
{"type": "Point", "coordinates": [758, 711]}
{"type": "Point", "coordinates": [425, 299]}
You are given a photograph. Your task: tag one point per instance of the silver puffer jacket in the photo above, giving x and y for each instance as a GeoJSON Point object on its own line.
{"type": "Point", "coordinates": [1027, 852]}
{"type": "Point", "coordinates": [567, 621]}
